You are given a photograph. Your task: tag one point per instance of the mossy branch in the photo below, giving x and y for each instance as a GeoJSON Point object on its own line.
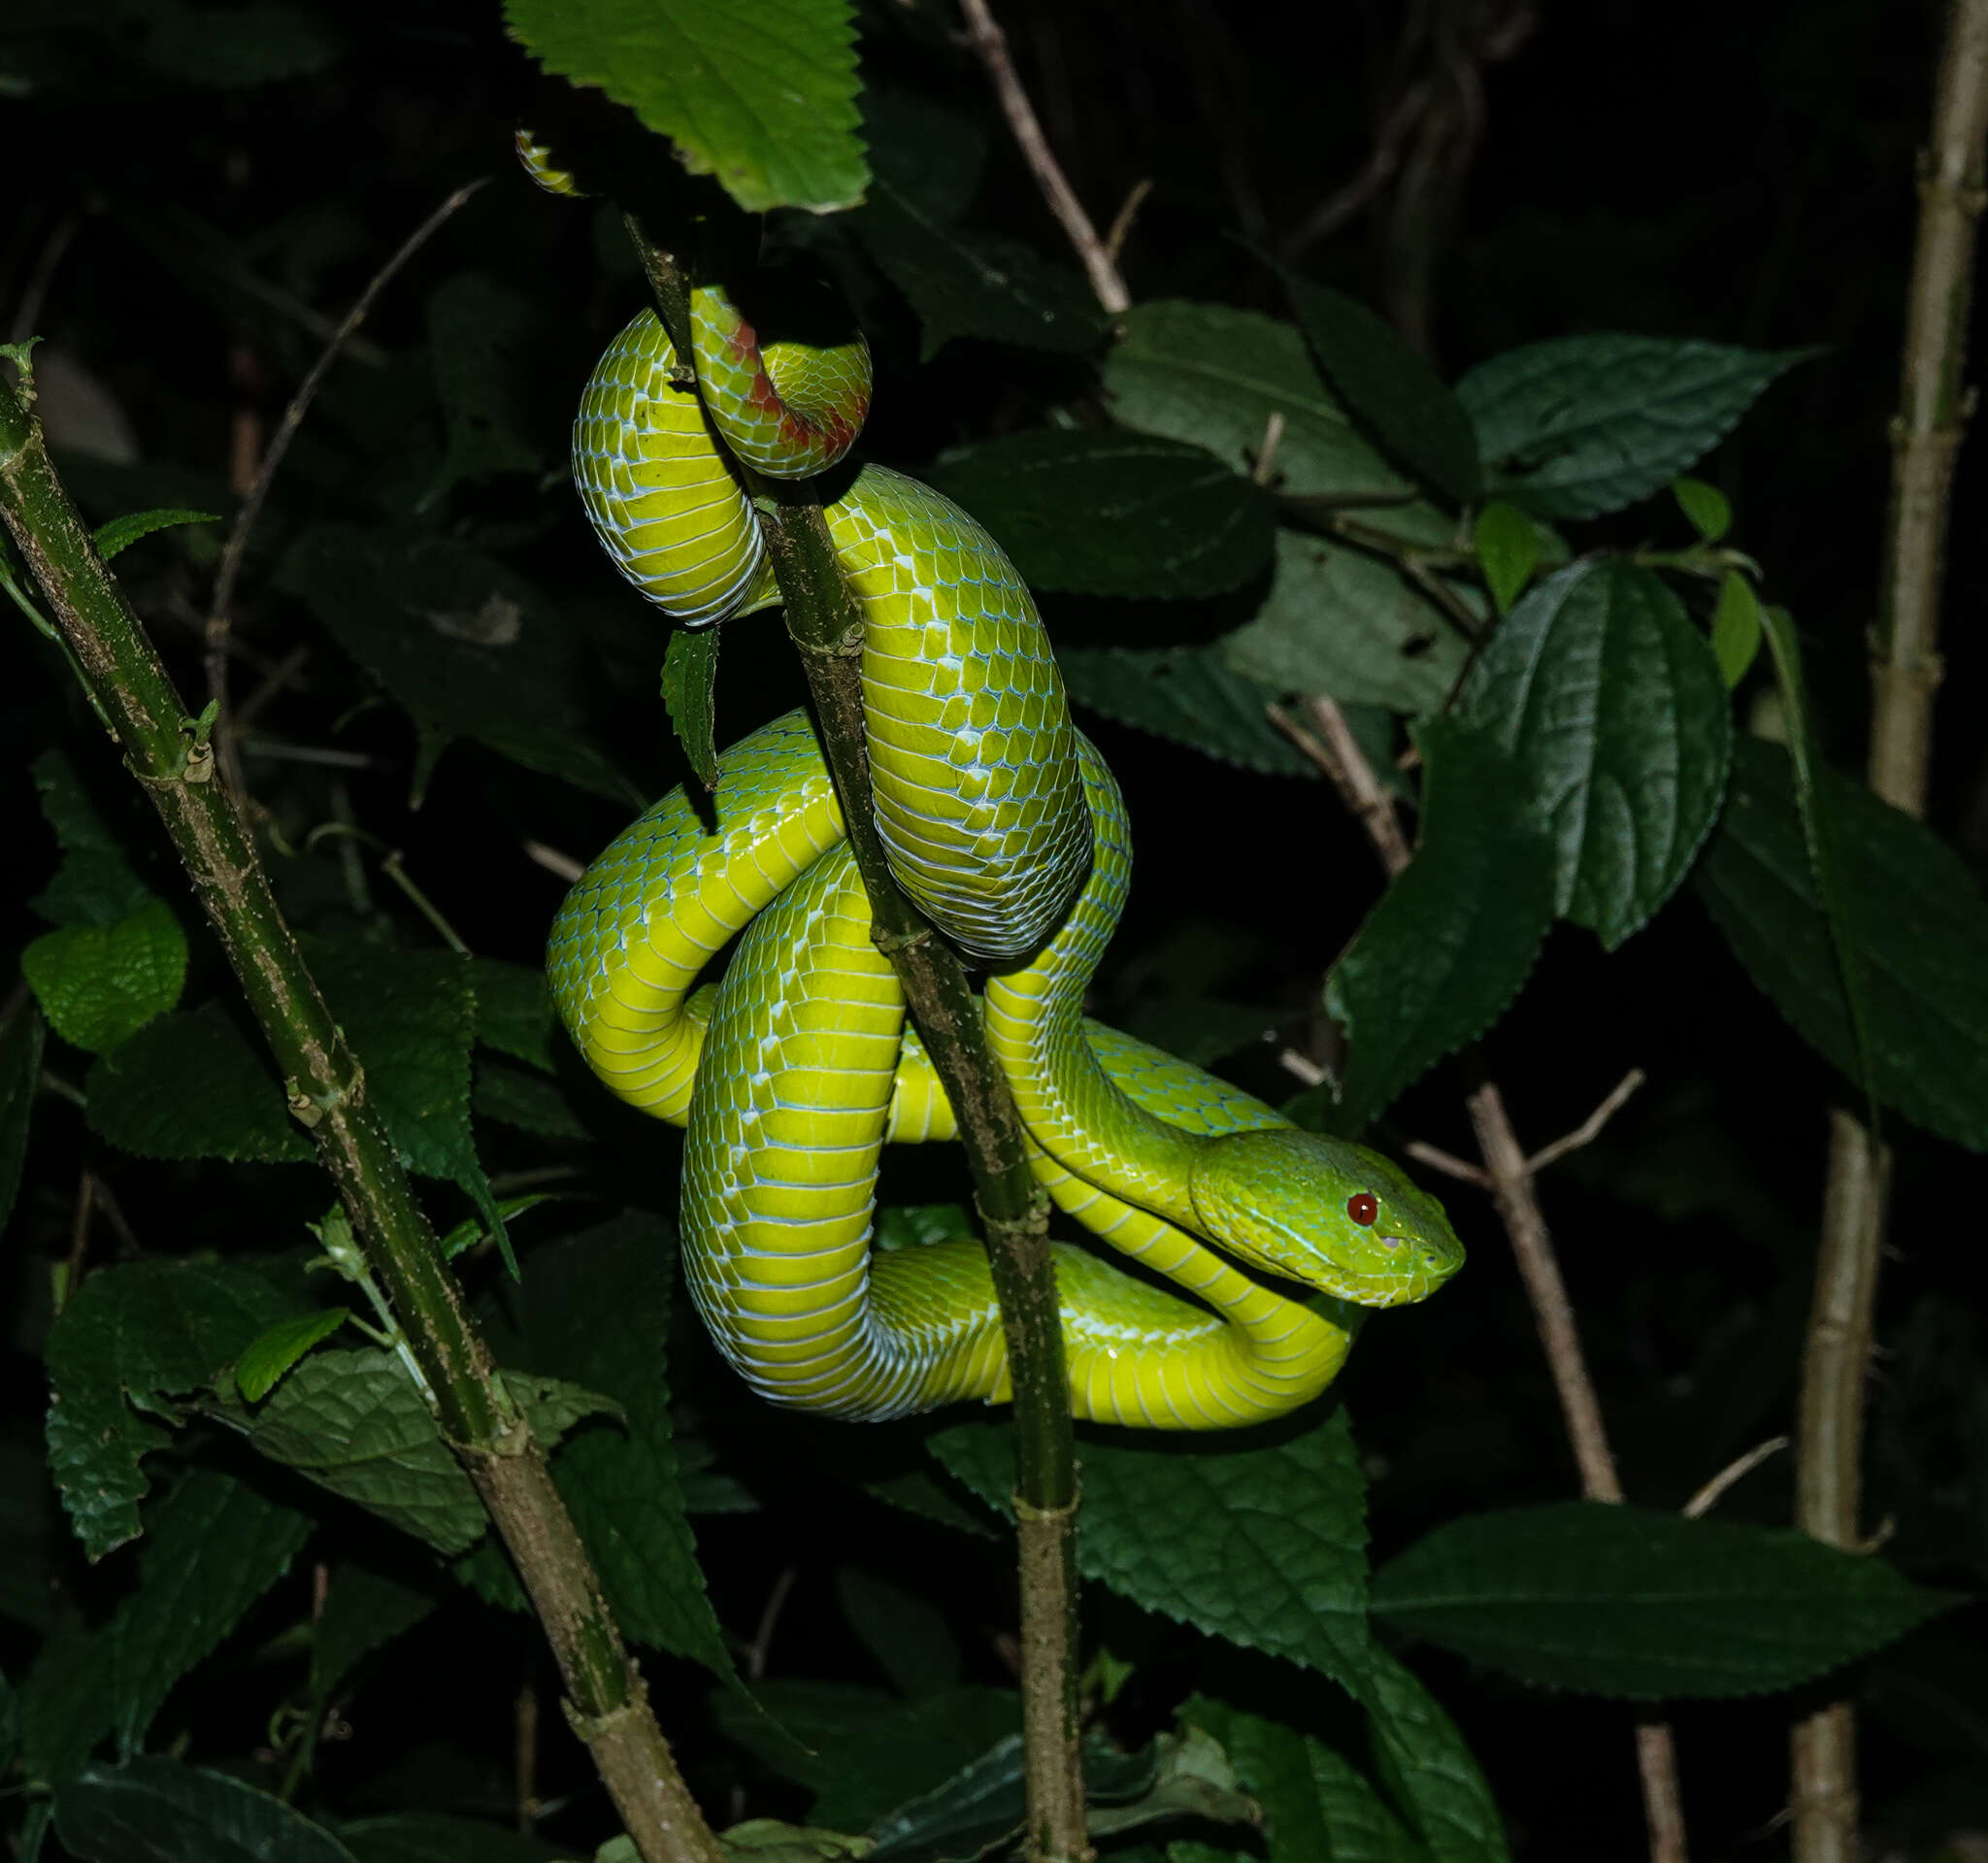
{"type": "Point", "coordinates": [827, 629]}
{"type": "Point", "coordinates": [132, 693]}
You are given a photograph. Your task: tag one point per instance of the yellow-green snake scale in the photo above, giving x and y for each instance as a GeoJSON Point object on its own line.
{"type": "Point", "coordinates": [1005, 825]}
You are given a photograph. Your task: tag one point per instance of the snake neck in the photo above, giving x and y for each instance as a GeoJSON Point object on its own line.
{"type": "Point", "coordinates": [1034, 1025]}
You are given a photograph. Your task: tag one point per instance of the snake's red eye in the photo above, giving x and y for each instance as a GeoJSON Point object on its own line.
{"type": "Point", "coordinates": [1364, 1209]}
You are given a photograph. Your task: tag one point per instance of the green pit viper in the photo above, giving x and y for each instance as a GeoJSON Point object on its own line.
{"type": "Point", "coordinates": [1005, 826]}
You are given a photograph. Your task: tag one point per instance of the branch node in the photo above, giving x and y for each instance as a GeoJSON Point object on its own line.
{"type": "Point", "coordinates": [309, 1109]}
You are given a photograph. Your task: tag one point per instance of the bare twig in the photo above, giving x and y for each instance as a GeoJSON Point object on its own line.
{"type": "Point", "coordinates": [1128, 212]}
{"type": "Point", "coordinates": [769, 1621]}
{"type": "Point", "coordinates": [1449, 1163]}
{"type": "Point", "coordinates": [990, 46]}
{"type": "Point", "coordinates": [1337, 751]}
{"type": "Point", "coordinates": [1934, 403]}
{"type": "Point", "coordinates": [1590, 1128]}
{"type": "Point", "coordinates": [220, 616]}
{"type": "Point", "coordinates": [1296, 1062]}
{"type": "Point", "coordinates": [1708, 1497]}
{"type": "Point", "coordinates": [560, 865]}
{"type": "Point", "coordinates": [1267, 453]}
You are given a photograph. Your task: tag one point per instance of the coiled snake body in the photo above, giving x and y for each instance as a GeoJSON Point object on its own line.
{"type": "Point", "coordinates": [1005, 826]}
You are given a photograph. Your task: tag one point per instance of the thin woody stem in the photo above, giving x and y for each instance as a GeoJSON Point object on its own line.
{"type": "Point", "coordinates": [129, 686]}
{"type": "Point", "coordinates": [826, 626]}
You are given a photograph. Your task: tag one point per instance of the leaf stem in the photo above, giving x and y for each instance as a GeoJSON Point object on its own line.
{"type": "Point", "coordinates": [826, 627]}
{"type": "Point", "coordinates": [1905, 676]}
{"type": "Point", "coordinates": [123, 675]}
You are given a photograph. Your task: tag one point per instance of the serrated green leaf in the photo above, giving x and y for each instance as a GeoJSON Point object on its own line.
{"type": "Point", "coordinates": [411, 1019]}
{"type": "Point", "coordinates": [528, 1101]}
{"type": "Point", "coordinates": [1708, 509]}
{"type": "Point", "coordinates": [1736, 628]}
{"type": "Point", "coordinates": [760, 93]}
{"type": "Point", "coordinates": [21, 1074]}
{"type": "Point", "coordinates": [1642, 1605]}
{"type": "Point", "coordinates": [1214, 376]}
{"type": "Point", "coordinates": [1587, 425]}
{"type": "Point", "coordinates": [1427, 1769]}
{"type": "Point", "coordinates": [1612, 709]}
{"type": "Point", "coordinates": [479, 336]}
{"type": "Point", "coordinates": [1914, 919]}
{"type": "Point", "coordinates": [142, 1331]}
{"type": "Point", "coordinates": [95, 884]}
{"type": "Point", "coordinates": [1392, 392]}
{"type": "Point", "coordinates": [690, 672]}
{"type": "Point", "coordinates": [967, 284]}
{"type": "Point", "coordinates": [363, 1610]}
{"type": "Point", "coordinates": [187, 1086]}
{"type": "Point", "coordinates": [597, 1311]}
{"type": "Point", "coordinates": [120, 533]}
{"type": "Point", "coordinates": [1113, 513]}
{"type": "Point", "coordinates": [1347, 625]}
{"type": "Point", "coordinates": [469, 648]}
{"type": "Point", "coordinates": [100, 984]}
{"type": "Point", "coordinates": [1264, 1545]}
{"type": "Point", "coordinates": [1507, 545]}
{"type": "Point", "coordinates": [261, 1369]}
{"type": "Point", "coordinates": [1316, 1805]}
{"type": "Point", "coordinates": [435, 1837]}
{"type": "Point", "coordinates": [916, 1493]}
{"type": "Point", "coordinates": [1453, 937]}
{"type": "Point", "coordinates": [157, 1810]}
{"type": "Point", "coordinates": [859, 1750]}
{"type": "Point", "coordinates": [355, 1423]}
{"type": "Point", "coordinates": [1189, 694]}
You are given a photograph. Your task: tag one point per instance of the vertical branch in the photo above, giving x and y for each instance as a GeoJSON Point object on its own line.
{"type": "Point", "coordinates": [1905, 676]}
{"type": "Point", "coordinates": [827, 628]}
{"type": "Point", "coordinates": [1511, 1177]}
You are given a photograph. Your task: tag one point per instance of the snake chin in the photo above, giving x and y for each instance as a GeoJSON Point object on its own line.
{"type": "Point", "coordinates": [1332, 1215]}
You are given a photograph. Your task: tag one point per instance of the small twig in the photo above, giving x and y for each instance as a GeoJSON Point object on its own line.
{"type": "Point", "coordinates": [561, 866]}
{"type": "Point", "coordinates": [1267, 453]}
{"type": "Point", "coordinates": [79, 1232]}
{"type": "Point", "coordinates": [1122, 221]}
{"type": "Point", "coordinates": [221, 616]}
{"type": "Point", "coordinates": [990, 46]}
{"type": "Point", "coordinates": [1708, 1497]}
{"type": "Point", "coordinates": [1590, 1128]}
{"type": "Point", "coordinates": [28, 311]}
{"type": "Point", "coordinates": [274, 680]}
{"type": "Point", "coordinates": [525, 1757]}
{"type": "Point", "coordinates": [769, 1621]}
{"type": "Point", "coordinates": [1449, 1163]}
{"type": "Point", "coordinates": [1303, 1067]}
{"type": "Point", "coordinates": [275, 750]}
{"type": "Point", "coordinates": [1336, 752]}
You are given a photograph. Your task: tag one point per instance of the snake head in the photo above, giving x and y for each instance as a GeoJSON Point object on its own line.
{"type": "Point", "coordinates": [1331, 1214]}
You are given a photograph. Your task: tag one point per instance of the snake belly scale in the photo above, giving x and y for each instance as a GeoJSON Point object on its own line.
{"type": "Point", "coordinates": [1006, 827]}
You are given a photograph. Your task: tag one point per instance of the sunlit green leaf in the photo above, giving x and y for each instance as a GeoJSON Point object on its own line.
{"type": "Point", "coordinates": [1708, 508]}
{"type": "Point", "coordinates": [99, 984]}
{"type": "Point", "coordinates": [120, 533]}
{"type": "Point", "coordinates": [261, 1369]}
{"type": "Point", "coordinates": [1507, 545]}
{"type": "Point", "coordinates": [1736, 627]}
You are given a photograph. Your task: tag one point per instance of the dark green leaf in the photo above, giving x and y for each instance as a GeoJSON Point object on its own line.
{"type": "Point", "coordinates": [261, 1369]}
{"type": "Point", "coordinates": [1507, 547]}
{"type": "Point", "coordinates": [528, 1101]}
{"type": "Point", "coordinates": [690, 672]}
{"type": "Point", "coordinates": [1317, 1806]}
{"type": "Point", "coordinates": [1443, 954]}
{"type": "Point", "coordinates": [1631, 1602]}
{"type": "Point", "coordinates": [760, 93]}
{"type": "Point", "coordinates": [1214, 376]}
{"type": "Point", "coordinates": [966, 284]}
{"type": "Point", "coordinates": [355, 1423]}
{"type": "Point", "coordinates": [1202, 1029]}
{"type": "Point", "coordinates": [142, 1330]}
{"type": "Point", "coordinates": [157, 1810]}
{"type": "Point", "coordinates": [1614, 712]}
{"type": "Point", "coordinates": [1708, 508]}
{"type": "Point", "coordinates": [123, 532]}
{"type": "Point", "coordinates": [1264, 1545]}
{"type": "Point", "coordinates": [1587, 425]}
{"type": "Point", "coordinates": [1427, 1768]}
{"type": "Point", "coordinates": [597, 1311]}
{"type": "Point", "coordinates": [906, 1635]}
{"type": "Point", "coordinates": [469, 648]}
{"type": "Point", "coordinates": [95, 884]}
{"type": "Point", "coordinates": [513, 1010]}
{"type": "Point", "coordinates": [916, 1493]}
{"type": "Point", "coordinates": [434, 1836]}
{"type": "Point", "coordinates": [1736, 627]}
{"type": "Point", "coordinates": [1113, 513]}
{"type": "Point", "coordinates": [862, 1751]}
{"type": "Point", "coordinates": [21, 1074]}
{"type": "Point", "coordinates": [263, 41]}
{"type": "Point", "coordinates": [766, 1840]}
{"type": "Point", "coordinates": [99, 984]}
{"type": "Point", "coordinates": [1189, 694]}
{"type": "Point", "coordinates": [1399, 400]}
{"type": "Point", "coordinates": [1915, 922]}
{"type": "Point", "coordinates": [478, 334]}
{"type": "Point", "coordinates": [1342, 625]}
{"type": "Point", "coordinates": [363, 1610]}
{"type": "Point", "coordinates": [188, 1086]}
